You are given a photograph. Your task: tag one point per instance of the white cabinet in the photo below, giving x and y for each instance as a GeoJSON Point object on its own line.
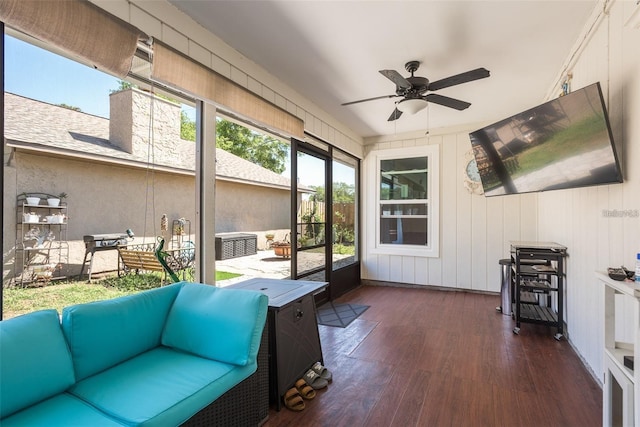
{"type": "Point", "coordinates": [620, 391]}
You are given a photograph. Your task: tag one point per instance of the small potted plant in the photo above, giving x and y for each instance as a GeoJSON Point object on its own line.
{"type": "Point", "coordinates": [282, 248]}
{"type": "Point", "coordinates": [30, 218]}
{"type": "Point", "coordinates": [31, 200]}
{"type": "Point", "coordinates": [269, 236]}
{"type": "Point", "coordinates": [56, 219]}
{"type": "Point", "coordinates": [55, 201]}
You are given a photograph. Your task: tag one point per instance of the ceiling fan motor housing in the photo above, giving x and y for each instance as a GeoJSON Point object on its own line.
{"type": "Point", "coordinates": [419, 85]}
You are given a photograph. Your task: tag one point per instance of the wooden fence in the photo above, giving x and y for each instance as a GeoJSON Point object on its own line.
{"type": "Point", "coordinates": [343, 213]}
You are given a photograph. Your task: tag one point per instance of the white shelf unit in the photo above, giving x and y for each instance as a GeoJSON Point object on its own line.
{"type": "Point", "coordinates": [620, 394]}
{"type": "Point", "coordinates": [46, 261]}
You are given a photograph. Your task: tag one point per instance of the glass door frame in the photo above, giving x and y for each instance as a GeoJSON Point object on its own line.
{"type": "Point", "coordinates": [298, 146]}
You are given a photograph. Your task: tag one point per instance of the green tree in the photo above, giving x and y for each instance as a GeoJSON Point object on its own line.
{"type": "Point", "coordinates": [123, 85]}
{"type": "Point", "coordinates": [342, 193]}
{"type": "Point", "coordinates": [263, 150]}
{"type": "Point", "coordinates": [187, 127]}
{"type": "Point", "coordinates": [70, 107]}
{"type": "Point", "coordinates": [318, 195]}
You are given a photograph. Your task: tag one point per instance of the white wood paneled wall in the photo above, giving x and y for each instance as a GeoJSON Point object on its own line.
{"type": "Point", "coordinates": [575, 217]}
{"type": "Point", "coordinates": [474, 230]}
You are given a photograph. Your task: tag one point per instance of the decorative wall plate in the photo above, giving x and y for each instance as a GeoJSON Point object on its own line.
{"type": "Point", "coordinates": [471, 176]}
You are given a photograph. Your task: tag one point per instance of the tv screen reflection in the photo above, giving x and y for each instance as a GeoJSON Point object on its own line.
{"type": "Point", "coordinates": [564, 143]}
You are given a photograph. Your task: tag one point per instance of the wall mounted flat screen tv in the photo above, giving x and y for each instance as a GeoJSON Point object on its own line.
{"type": "Point", "coordinates": [563, 143]}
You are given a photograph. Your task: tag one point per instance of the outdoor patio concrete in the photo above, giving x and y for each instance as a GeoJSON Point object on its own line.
{"type": "Point", "coordinates": [266, 264]}
{"type": "Point", "coordinates": [262, 264]}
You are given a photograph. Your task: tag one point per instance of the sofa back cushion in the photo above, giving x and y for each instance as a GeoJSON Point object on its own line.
{"type": "Point", "coordinates": [102, 334]}
{"type": "Point", "coordinates": [35, 362]}
{"type": "Point", "coordinates": [217, 323]}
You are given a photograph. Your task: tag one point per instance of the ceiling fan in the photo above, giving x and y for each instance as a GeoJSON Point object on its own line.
{"type": "Point", "coordinates": [413, 90]}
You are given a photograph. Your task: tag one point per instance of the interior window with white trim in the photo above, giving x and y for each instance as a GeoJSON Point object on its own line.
{"type": "Point", "coordinates": [403, 201]}
{"type": "Point", "coordinates": [407, 201]}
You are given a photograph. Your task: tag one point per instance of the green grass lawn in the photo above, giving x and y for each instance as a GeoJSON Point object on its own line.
{"type": "Point", "coordinates": [584, 136]}
{"type": "Point", "coordinates": [577, 139]}
{"type": "Point", "coordinates": [223, 275]}
{"type": "Point", "coordinates": [58, 295]}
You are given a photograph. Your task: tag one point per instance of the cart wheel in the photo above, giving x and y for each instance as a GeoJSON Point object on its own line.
{"type": "Point", "coordinates": [516, 331]}
{"type": "Point", "coordinates": [558, 336]}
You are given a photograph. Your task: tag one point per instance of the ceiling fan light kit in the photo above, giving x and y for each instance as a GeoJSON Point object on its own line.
{"type": "Point", "coordinates": [413, 90]}
{"type": "Point", "coordinates": [411, 105]}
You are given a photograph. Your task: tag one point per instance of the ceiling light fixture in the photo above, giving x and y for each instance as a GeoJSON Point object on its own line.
{"type": "Point", "coordinates": [411, 105]}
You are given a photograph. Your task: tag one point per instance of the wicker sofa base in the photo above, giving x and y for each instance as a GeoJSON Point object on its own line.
{"type": "Point", "coordinates": [247, 404]}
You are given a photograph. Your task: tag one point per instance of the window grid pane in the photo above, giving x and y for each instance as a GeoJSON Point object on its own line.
{"type": "Point", "coordinates": [403, 203]}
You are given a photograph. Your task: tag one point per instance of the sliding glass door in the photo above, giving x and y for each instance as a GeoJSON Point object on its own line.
{"type": "Point", "coordinates": [324, 216]}
{"type": "Point", "coordinates": [311, 219]}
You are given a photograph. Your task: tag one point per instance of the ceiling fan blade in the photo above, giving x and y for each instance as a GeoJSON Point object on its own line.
{"type": "Point", "coordinates": [447, 102]}
{"type": "Point", "coordinates": [369, 99]}
{"type": "Point", "coordinates": [469, 76]}
{"type": "Point", "coordinates": [395, 77]}
{"type": "Point", "coordinates": [395, 115]}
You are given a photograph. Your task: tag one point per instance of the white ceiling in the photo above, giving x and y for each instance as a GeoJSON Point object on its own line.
{"type": "Point", "coordinates": [331, 51]}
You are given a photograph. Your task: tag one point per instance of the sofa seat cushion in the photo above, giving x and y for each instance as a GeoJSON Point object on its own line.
{"type": "Point", "coordinates": [104, 333]}
{"type": "Point", "coordinates": [217, 323]}
{"type": "Point", "coordinates": [62, 410]}
{"type": "Point", "coordinates": [161, 387]}
{"type": "Point", "coordinates": [35, 363]}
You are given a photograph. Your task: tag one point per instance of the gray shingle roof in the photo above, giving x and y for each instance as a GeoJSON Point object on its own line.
{"type": "Point", "coordinates": [36, 124]}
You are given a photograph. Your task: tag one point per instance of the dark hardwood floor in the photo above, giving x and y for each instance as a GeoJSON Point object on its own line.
{"type": "Point", "coordinates": [421, 357]}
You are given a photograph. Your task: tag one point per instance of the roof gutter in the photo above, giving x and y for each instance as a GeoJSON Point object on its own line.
{"type": "Point", "coordinates": [262, 184]}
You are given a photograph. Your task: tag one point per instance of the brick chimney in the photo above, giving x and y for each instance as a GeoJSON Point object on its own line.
{"type": "Point", "coordinates": [129, 123]}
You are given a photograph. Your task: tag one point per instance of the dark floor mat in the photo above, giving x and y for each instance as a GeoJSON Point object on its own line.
{"type": "Point", "coordinates": [339, 315]}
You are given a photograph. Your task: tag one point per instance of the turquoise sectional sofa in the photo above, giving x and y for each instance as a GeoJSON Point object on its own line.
{"type": "Point", "coordinates": [157, 358]}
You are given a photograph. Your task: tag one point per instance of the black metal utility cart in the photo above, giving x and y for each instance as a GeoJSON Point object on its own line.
{"type": "Point", "coordinates": [538, 283]}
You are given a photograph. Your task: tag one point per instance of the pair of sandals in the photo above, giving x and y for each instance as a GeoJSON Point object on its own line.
{"type": "Point", "coordinates": [316, 378]}
{"type": "Point", "coordinates": [293, 398]}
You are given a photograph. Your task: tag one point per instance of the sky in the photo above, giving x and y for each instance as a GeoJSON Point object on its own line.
{"type": "Point", "coordinates": [38, 74]}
